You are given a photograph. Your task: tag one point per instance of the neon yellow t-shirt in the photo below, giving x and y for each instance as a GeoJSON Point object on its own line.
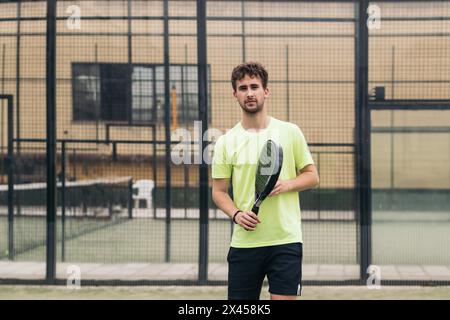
{"type": "Point", "coordinates": [236, 156]}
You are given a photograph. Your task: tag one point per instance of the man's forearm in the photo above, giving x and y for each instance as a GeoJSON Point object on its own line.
{"type": "Point", "coordinates": [304, 181]}
{"type": "Point", "coordinates": [224, 202]}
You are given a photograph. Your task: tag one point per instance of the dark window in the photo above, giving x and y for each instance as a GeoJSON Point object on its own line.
{"type": "Point", "coordinates": [86, 91]}
{"type": "Point", "coordinates": [143, 94]}
{"type": "Point", "coordinates": [116, 92]}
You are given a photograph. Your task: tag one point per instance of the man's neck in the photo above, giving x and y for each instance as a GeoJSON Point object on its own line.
{"type": "Point", "coordinates": [259, 121]}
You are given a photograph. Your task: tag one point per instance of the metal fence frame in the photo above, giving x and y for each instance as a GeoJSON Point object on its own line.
{"type": "Point", "coordinates": [362, 144]}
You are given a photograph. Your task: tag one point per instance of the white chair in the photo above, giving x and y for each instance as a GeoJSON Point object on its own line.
{"type": "Point", "coordinates": [142, 194]}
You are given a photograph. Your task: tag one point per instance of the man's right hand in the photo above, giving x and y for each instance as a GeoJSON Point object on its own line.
{"type": "Point", "coordinates": [247, 220]}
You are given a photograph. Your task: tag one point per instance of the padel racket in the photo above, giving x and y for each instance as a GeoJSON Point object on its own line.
{"type": "Point", "coordinates": [267, 172]}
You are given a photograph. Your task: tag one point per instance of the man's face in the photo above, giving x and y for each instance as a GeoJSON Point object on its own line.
{"type": "Point", "coordinates": [250, 94]}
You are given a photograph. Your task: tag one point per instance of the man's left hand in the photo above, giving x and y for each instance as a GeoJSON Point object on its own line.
{"type": "Point", "coordinates": [280, 187]}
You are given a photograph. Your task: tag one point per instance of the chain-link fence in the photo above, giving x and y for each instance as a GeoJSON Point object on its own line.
{"type": "Point", "coordinates": [368, 83]}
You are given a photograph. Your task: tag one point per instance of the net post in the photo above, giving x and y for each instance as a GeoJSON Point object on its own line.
{"type": "Point", "coordinates": [63, 199]}
{"type": "Point", "coordinates": [10, 171]}
{"type": "Point", "coordinates": [130, 198]}
{"type": "Point", "coordinates": [154, 164]}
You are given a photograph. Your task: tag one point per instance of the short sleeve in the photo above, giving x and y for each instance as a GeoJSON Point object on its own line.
{"type": "Point", "coordinates": [221, 167]}
{"type": "Point", "coordinates": [302, 154]}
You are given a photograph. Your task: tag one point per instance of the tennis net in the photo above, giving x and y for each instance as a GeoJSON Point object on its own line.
{"type": "Point", "coordinates": [82, 207]}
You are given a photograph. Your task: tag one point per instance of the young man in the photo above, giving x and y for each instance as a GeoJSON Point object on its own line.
{"type": "Point", "coordinates": [270, 243]}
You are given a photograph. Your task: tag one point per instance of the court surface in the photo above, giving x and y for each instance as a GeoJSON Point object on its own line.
{"type": "Point", "coordinates": [220, 293]}
{"type": "Point", "coordinates": [135, 249]}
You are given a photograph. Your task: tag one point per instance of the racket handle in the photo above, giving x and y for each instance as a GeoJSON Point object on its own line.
{"type": "Point", "coordinates": [255, 210]}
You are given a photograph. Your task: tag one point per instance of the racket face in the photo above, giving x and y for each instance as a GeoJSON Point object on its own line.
{"type": "Point", "coordinates": [268, 169]}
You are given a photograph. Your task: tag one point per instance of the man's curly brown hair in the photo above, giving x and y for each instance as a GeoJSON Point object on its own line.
{"type": "Point", "coordinates": [252, 69]}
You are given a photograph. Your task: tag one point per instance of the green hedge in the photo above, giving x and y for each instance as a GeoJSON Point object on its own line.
{"type": "Point", "coordinates": [334, 199]}
{"type": "Point", "coordinates": [91, 196]}
{"type": "Point", "coordinates": [325, 199]}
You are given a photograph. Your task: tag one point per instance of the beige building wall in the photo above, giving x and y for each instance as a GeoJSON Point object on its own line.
{"type": "Point", "coordinates": [320, 66]}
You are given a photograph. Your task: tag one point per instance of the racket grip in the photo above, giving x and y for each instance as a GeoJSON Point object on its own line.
{"type": "Point", "coordinates": [255, 210]}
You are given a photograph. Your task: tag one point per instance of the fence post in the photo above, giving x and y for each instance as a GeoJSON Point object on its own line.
{"type": "Point", "coordinates": [362, 136]}
{"type": "Point", "coordinates": [203, 114]}
{"type": "Point", "coordinates": [167, 118]}
{"type": "Point", "coordinates": [51, 141]}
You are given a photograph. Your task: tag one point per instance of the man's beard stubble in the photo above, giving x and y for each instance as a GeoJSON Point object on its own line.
{"type": "Point", "coordinates": [259, 108]}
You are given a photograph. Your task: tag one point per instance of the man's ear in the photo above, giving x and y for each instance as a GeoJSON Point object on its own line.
{"type": "Point", "coordinates": [234, 94]}
{"type": "Point", "coordinates": [266, 92]}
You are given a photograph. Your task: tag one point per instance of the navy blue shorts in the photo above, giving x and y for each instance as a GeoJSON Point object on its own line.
{"type": "Point", "coordinates": [247, 268]}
